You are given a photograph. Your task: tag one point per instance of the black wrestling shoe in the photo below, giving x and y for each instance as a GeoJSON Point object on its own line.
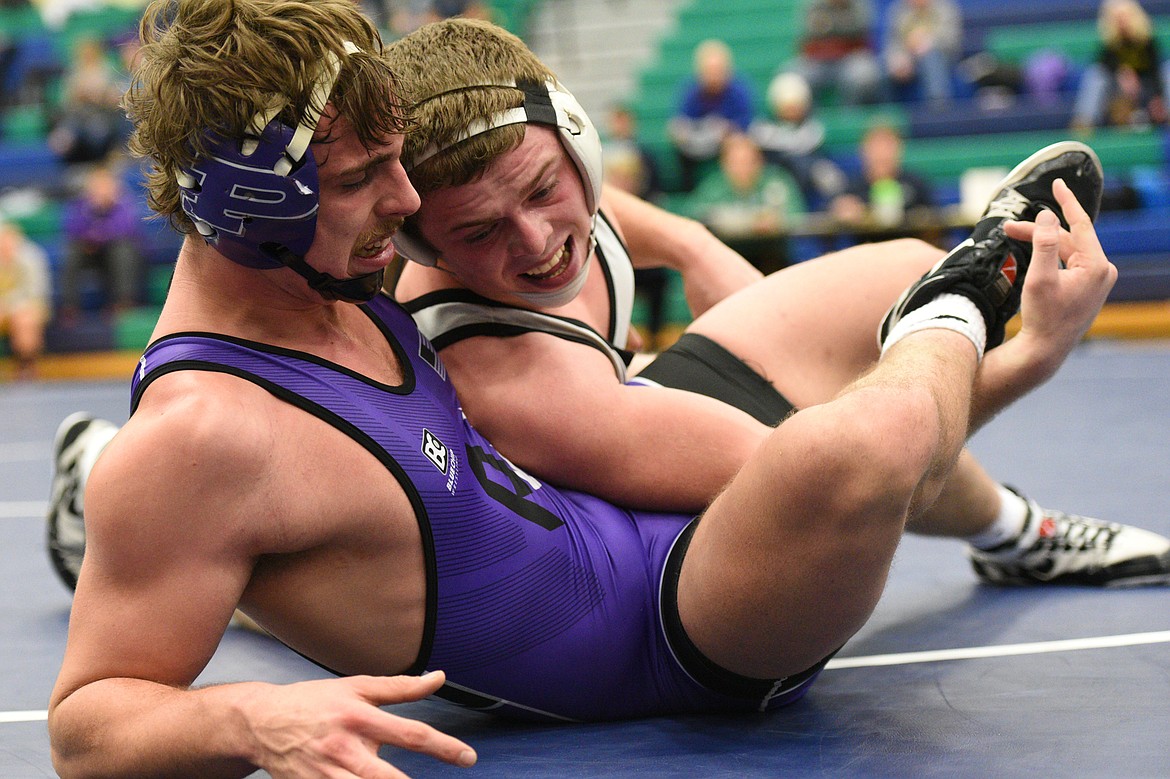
{"type": "Point", "coordinates": [989, 268]}
{"type": "Point", "coordinates": [79, 440]}
{"type": "Point", "coordinates": [1059, 548]}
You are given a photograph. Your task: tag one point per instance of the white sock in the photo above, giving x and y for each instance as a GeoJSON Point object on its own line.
{"type": "Point", "coordinates": [948, 311]}
{"type": "Point", "coordinates": [1008, 525]}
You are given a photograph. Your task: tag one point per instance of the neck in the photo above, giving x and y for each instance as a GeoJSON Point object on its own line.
{"type": "Point", "coordinates": [209, 292]}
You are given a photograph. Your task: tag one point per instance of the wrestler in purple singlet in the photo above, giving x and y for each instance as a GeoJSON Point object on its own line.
{"type": "Point", "coordinates": [541, 601]}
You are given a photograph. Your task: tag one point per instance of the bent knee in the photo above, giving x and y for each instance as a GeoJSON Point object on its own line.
{"type": "Point", "coordinates": [876, 451]}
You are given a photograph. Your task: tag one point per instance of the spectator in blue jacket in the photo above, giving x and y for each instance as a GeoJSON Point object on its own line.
{"type": "Point", "coordinates": [715, 102]}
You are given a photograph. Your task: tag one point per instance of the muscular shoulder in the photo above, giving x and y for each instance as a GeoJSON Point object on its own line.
{"type": "Point", "coordinates": [195, 452]}
{"type": "Point", "coordinates": [203, 417]}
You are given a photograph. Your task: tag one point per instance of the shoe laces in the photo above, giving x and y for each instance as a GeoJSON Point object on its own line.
{"type": "Point", "coordinates": [1009, 205]}
{"type": "Point", "coordinates": [1060, 532]}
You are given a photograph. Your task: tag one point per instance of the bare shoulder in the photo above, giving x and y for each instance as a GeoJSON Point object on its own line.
{"type": "Point", "coordinates": [198, 421]}
{"type": "Point", "coordinates": [197, 448]}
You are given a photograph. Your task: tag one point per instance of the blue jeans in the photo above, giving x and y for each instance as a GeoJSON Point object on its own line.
{"type": "Point", "coordinates": [1098, 87]}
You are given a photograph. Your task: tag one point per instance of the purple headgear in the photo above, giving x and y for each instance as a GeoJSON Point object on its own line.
{"type": "Point", "coordinates": [255, 199]}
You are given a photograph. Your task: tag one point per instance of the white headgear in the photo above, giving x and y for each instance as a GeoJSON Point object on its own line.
{"type": "Point", "coordinates": [545, 103]}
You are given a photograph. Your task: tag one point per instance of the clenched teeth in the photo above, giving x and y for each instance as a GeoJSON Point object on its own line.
{"type": "Point", "coordinates": [553, 261]}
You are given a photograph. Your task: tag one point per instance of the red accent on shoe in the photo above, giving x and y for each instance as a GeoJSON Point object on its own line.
{"type": "Point", "coordinates": [1009, 269]}
{"type": "Point", "coordinates": [1047, 527]}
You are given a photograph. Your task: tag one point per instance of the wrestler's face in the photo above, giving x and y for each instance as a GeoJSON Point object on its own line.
{"type": "Point", "coordinates": [365, 195]}
{"type": "Point", "coordinates": [521, 229]}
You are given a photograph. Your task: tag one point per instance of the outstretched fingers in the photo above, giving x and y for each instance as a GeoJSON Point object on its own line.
{"type": "Point", "coordinates": [1080, 238]}
{"type": "Point", "coordinates": [1046, 250]}
{"type": "Point", "coordinates": [1086, 247]}
{"type": "Point", "coordinates": [386, 728]}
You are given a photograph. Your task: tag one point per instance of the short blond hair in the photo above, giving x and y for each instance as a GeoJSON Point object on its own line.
{"type": "Point", "coordinates": [449, 70]}
{"type": "Point", "coordinates": [209, 66]}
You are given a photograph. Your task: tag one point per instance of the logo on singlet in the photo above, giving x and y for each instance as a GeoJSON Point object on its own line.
{"type": "Point", "coordinates": [430, 356]}
{"type": "Point", "coordinates": [435, 451]}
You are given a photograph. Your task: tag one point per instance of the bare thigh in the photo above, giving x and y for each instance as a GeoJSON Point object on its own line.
{"type": "Point", "coordinates": [811, 328]}
{"type": "Point", "coordinates": [790, 560]}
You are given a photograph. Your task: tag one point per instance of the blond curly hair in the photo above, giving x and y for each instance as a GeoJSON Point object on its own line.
{"type": "Point", "coordinates": [209, 66]}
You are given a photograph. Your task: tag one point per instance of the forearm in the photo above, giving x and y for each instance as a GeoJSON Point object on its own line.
{"type": "Point", "coordinates": [697, 445]}
{"type": "Point", "coordinates": [134, 728]}
{"type": "Point", "coordinates": [1008, 373]}
{"type": "Point", "coordinates": [658, 238]}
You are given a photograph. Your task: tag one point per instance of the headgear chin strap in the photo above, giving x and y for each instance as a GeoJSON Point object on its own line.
{"type": "Point", "coordinates": [546, 103]}
{"type": "Point", "coordinates": [255, 199]}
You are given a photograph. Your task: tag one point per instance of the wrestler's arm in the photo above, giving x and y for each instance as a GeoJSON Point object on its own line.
{"type": "Point", "coordinates": [710, 269]}
{"type": "Point", "coordinates": [170, 515]}
{"type": "Point", "coordinates": [555, 408]}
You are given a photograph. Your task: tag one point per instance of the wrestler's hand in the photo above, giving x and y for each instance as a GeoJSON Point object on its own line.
{"type": "Point", "coordinates": [1059, 304]}
{"type": "Point", "coordinates": [334, 727]}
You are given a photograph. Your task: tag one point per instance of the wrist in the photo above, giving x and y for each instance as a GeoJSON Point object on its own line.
{"type": "Point", "coordinates": [1028, 360]}
{"type": "Point", "coordinates": [241, 718]}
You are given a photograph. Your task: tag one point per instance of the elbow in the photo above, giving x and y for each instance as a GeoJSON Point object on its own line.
{"type": "Point", "coordinates": [71, 745]}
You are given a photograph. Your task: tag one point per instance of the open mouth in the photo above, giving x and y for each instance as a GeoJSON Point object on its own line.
{"type": "Point", "coordinates": [372, 249]}
{"type": "Point", "coordinates": [554, 266]}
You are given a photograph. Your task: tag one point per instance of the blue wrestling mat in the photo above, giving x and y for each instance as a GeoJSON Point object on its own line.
{"type": "Point", "coordinates": [949, 679]}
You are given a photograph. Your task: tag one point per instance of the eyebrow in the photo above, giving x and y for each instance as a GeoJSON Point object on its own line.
{"type": "Point", "coordinates": [361, 167]}
{"type": "Point", "coordinates": [532, 183]}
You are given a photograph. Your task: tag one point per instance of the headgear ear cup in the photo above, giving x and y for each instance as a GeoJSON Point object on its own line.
{"type": "Point", "coordinates": [545, 103]}
{"type": "Point", "coordinates": [581, 139]}
{"type": "Point", "coordinates": [414, 247]}
{"type": "Point", "coordinates": [242, 207]}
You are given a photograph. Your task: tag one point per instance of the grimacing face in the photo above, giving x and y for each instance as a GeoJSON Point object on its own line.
{"type": "Point", "coordinates": [365, 196]}
{"type": "Point", "coordinates": [523, 227]}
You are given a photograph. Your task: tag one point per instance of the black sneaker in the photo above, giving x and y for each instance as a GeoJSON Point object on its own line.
{"type": "Point", "coordinates": [1070, 549]}
{"type": "Point", "coordinates": [79, 440]}
{"type": "Point", "coordinates": [989, 267]}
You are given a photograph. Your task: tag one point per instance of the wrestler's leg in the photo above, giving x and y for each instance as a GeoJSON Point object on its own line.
{"type": "Point", "coordinates": [789, 561]}
{"type": "Point", "coordinates": [811, 329]}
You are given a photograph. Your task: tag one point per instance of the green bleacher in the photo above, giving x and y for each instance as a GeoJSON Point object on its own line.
{"type": "Point", "coordinates": [1076, 40]}
{"type": "Point", "coordinates": [763, 35]}
{"type": "Point", "coordinates": [945, 159]}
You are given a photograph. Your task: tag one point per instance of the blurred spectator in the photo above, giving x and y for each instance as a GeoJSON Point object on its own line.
{"type": "Point", "coordinates": [836, 51]}
{"type": "Point", "coordinates": [406, 16]}
{"type": "Point", "coordinates": [470, 9]}
{"type": "Point", "coordinates": [89, 123]}
{"type": "Point", "coordinates": [793, 138]}
{"type": "Point", "coordinates": [884, 192]}
{"type": "Point", "coordinates": [1045, 75]}
{"type": "Point", "coordinates": [996, 82]}
{"type": "Point", "coordinates": [922, 44]}
{"type": "Point", "coordinates": [103, 232]}
{"type": "Point", "coordinates": [630, 166]}
{"type": "Point", "coordinates": [714, 103]}
{"type": "Point", "coordinates": [1128, 83]}
{"type": "Point", "coordinates": [24, 298]}
{"type": "Point", "coordinates": [748, 203]}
